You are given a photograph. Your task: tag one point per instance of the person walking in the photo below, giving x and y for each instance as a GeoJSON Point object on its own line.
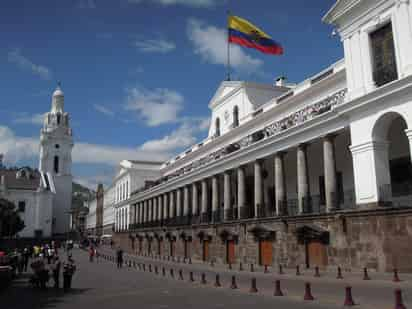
{"type": "Point", "coordinates": [91, 254]}
{"type": "Point", "coordinates": [69, 269]}
{"type": "Point", "coordinates": [26, 257]}
{"type": "Point", "coordinates": [119, 255]}
{"type": "Point", "coordinates": [56, 271]}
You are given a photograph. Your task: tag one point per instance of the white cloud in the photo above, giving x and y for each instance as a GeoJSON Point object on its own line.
{"type": "Point", "coordinates": [104, 110]}
{"type": "Point", "coordinates": [91, 182]}
{"type": "Point", "coordinates": [210, 43]}
{"type": "Point", "coordinates": [36, 119]}
{"type": "Point", "coordinates": [190, 3]}
{"type": "Point", "coordinates": [24, 63]}
{"type": "Point", "coordinates": [181, 138]}
{"type": "Point", "coordinates": [16, 148]}
{"type": "Point", "coordinates": [155, 46]}
{"type": "Point", "coordinates": [155, 107]}
{"type": "Point", "coordinates": [86, 4]}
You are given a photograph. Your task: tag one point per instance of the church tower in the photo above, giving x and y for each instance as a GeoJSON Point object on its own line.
{"type": "Point", "coordinates": [56, 143]}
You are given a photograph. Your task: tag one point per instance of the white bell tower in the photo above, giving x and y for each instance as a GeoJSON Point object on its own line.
{"type": "Point", "coordinates": [56, 143]}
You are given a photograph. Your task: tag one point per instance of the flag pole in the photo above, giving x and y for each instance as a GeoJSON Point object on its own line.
{"type": "Point", "coordinates": [228, 47]}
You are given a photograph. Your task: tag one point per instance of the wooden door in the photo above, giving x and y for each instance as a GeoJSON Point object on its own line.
{"type": "Point", "coordinates": [159, 247]}
{"type": "Point", "coordinates": [317, 254]}
{"type": "Point", "coordinates": [230, 252]}
{"type": "Point", "coordinates": [172, 248]}
{"type": "Point", "coordinates": [265, 252]}
{"type": "Point", "coordinates": [186, 248]}
{"type": "Point", "coordinates": [205, 250]}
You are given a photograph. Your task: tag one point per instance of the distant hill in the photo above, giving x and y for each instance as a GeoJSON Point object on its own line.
{"type": "Point", "coordinates": [80, 195]}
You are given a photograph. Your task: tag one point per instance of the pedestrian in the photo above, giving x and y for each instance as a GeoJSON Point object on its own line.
{"type": "Point", "coordinates": [26, 257]}
{"type": "Point", "coordinates": [56, 271]}
{"type": "Point", "coordinates": [119, 255]}
{"type": "Point", "coordinates": [91, 254]}
{"type": "Point", "coordinates": [20, 262]}
{"type": "Point", "coordinates": [69, 269]}
{"type": "Point", "coordinates": [96, 254]}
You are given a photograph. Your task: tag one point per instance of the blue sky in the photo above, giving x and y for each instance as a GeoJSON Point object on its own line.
{"type": "Point", "coordinates": [138, 74]}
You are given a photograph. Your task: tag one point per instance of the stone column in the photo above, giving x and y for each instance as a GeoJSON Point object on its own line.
{"type": "Point", "coordinates": [280, 185]}
{"type": "Point", "coordinates": [241, 192]}
{"type": "Point", "coordinates": [139, 213]}
{"type": "Point", "coordinates": [160, 214]}
{"type": "Point", "coordinates": [215, 199]}
{"type": "Point", "coordinates": [228, 213]}
{"type": "Point", "coordinates": [258, 189]}
{"type": "Point", "coordinates": [166, 214]}
{"type": "Point", "coordinates": [303, 179]}
{"type": "Point", "coordinates": [146, 211]}
{"type": "Point", "coordinates": [155, 210]}
{"type": "Point", "coordinates": [179, 203]}
{"type": "Point", "coordinates": [205, 201]}
{"type": "Point", "coordinates": [186, 204]}
{"type": "Point", "coordinates": [403, 23]}
{"type": "Point", "coordinates": [150, 206]}
{"type": "Point", "coordinates": [331, 190]}
{"type": "Point", "coordinates": [195, 204]}
{"type": "Point", "coordinates": [172, 206]}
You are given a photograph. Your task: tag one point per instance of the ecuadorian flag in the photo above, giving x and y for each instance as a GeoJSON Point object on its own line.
{"type": "Point", "coordinates": [246, 34]}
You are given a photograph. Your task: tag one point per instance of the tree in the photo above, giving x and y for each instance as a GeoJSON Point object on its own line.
{"type": "Point", "coordinates": [10, 221]}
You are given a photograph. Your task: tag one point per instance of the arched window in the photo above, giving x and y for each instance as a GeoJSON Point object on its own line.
{"type": "Point", "coordinates": [235, 116]}
{"type": "Point", "coordinates": [217, 131]}
{"type": "Point", "coordinates": [56, 164]}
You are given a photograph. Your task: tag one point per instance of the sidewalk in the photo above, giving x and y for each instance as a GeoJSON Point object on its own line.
{"type": "Point", "coordinates": [375, 293]}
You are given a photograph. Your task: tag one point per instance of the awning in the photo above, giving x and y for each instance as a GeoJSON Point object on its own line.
{"type": "Point", "coordinates": [204, 235]}
{"type": "Point", "coordinates": [308, 232]}
{"type": "Point", "coordinates": [226, 234]}
{"type": "Point", "coordinates": [262, 232]}
{"type": "Point", "coordinates": [185, 236]}
{"type": "Point", "coordinates": [171, 235]}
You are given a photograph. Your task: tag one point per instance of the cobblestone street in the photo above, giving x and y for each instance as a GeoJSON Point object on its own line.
{"type": "Point", "coordinates": [101, 285]}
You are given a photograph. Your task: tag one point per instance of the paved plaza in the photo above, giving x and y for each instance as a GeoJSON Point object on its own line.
{"type": "Point", "coordinates": [101, 285]}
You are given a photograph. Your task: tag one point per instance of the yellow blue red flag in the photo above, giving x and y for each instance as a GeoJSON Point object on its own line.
{"type": "Point", "coordinates": [244, 33]}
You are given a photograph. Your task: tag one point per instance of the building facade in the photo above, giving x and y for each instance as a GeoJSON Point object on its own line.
{"type": "Point", "coordinates": [313, 174]}
{"type": "Point", "coordinates": [44, 196]}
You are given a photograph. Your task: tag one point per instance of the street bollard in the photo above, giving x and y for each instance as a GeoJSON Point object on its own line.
{"type": "Point", "coordinates": [398, 300]}
{"type": "Point", "coordinates": [253, 287]}
{"type": "Point", "coordinates": [217, 282]}
{"type": "Point", "coordinates": [278, 291]}
{"type": "Point", "coordinates": [308, 292]}
{"type": "Point", "coordinates": [191, 278]}
{"type": "Point", "coordinates": [348, 297]}
{"type": "Point", "coordinates": [233, 285]}
{"type": "Point", "coordinates": [280, 269]}
{"type": "Point", "coordinates": [365, 274]}
{"type": "Point", "coordinates": [297, 270]}
{"type": "Point", "coordinates": [203, 280]}
{"type": "Point", "coordinates": [317, 274]}
{"type": "Point", "coordinates": [395, 275]}
{"type": "Point", "coordinates": [339, 276]}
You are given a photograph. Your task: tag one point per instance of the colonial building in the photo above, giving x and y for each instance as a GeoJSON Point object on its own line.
{"type": "Point", "coordinates": [44, 196]}
{"type": "Point", "coordinates": [316, 174]}
{"type": "Point", "coordinates": [109, 211]}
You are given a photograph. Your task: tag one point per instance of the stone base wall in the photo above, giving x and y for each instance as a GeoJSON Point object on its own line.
{"type": "Point", "coordinates": [379, 239]}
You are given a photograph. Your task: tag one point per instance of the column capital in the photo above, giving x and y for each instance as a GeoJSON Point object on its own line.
{"type": "Point", "coordinates": [281, 153]}
{"type": "Point", "coordinates": [303, 146]}
{"type": "Point", "coordinates": [330, 136]}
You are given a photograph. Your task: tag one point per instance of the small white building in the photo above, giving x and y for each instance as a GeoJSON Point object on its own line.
{"type": "Point", "coordinates": [44, 196]}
